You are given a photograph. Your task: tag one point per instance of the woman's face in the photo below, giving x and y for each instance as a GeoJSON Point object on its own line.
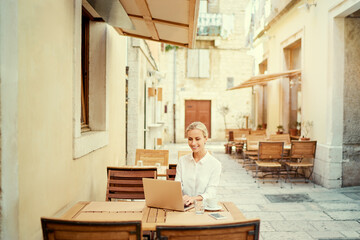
{"type": "Point", "coordinates": [196, 140]}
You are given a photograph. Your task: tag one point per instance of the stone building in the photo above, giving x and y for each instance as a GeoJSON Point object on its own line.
{"type": "Point", "coordinates": [313, 46]}
{"type": "Point", "coordinates": [196, 80]}
{"type": "Point", "coordinates": [144, 124]}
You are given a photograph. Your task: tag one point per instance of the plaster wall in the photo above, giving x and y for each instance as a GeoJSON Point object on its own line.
{"type": "Point", "coordinates": [228, 59]}
{"type": "Point", "coordinates": [142, 61]}
{"type": "Point", "coordinates": [50, 180]}
{"type": "Point", "coordinates": [9, 121]}
{"type": "Point", "coordinates": [351, 137]}
{"type": "Point", "coordinates": [223, 64]}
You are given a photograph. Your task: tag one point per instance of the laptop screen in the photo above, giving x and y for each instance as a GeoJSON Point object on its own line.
{"type": "Point", "coordinates": [163, 194]}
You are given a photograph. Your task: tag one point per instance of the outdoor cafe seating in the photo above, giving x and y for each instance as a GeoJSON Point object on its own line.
{"type": "Point", "coordinates": [242, 230]}
{"type": "Point", "coordinates": [294, 161]}
{"type": "Point", "coordinates": [126, 182]}
{"type": "Point", "coordinates": [270, 155]}
{"type": "Point", "coordinates": [300, 164]}
{"type": "Point", "coordinates": [61, 229]}
{"type": "Point", "coordinates": [153, 219]}
{"type": "Point", "coordinates": [123, 215]}
{"type": "Point", "coordinates": [151, 157]}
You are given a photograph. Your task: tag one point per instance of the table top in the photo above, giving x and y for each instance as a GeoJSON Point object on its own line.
{"type": "Point", "coordinates": [150, 217]}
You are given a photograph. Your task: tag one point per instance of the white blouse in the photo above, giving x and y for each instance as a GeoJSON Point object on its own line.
{"type": "Point", "coordinates": [201, 178]}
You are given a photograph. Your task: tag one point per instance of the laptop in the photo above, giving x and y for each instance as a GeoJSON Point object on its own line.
{"type": "Point", "coordinates": [164, 194]}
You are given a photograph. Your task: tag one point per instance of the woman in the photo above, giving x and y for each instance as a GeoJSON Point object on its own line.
{"type": "Point", "coordinates": [199, 172]}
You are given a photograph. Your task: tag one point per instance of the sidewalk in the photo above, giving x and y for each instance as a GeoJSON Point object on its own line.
{"type": "Point", "coordinates": [300, 213]}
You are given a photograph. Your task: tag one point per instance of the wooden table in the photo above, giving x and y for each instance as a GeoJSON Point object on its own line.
{"type": "Point", "coordinates": [150, 217]}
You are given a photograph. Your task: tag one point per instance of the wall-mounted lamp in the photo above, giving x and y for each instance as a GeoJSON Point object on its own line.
{"type": "Point", "coordinates": [308, 4]}
{"type": "Point", "coordinates": [294, 81]}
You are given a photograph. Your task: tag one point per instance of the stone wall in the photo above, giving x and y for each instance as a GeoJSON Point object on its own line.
{"type": "Point", "coordinates": [351, 136]}
{"type": "Point", "coordinates": [228, 59]}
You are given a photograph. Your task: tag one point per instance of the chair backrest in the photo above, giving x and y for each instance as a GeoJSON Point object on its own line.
{"type": "Point", "coordinates": [150, 157]}
{"type": "Point", "coordinates": [271, 150]}
{"type": "Point", "coordinates": [303, 149]}
{"type": "Point", "coordinates": [238, 133]}
{"type": "Point", "coordinates": [172, 165]}
{"type": "Point", "coordinates": [280, 138]}
{"type": "Point", "coordinates": [60, 229]}
{"type": "Point", "coordinates": [231, 136]}
{"type": "Point", "coordinates": [126, 183]}
{"type": "Point", "coordinates": [170, 174]}
{"type": "Point", "coordinates": [252, 141]}
{"type": "Point", "coordinates": [258, 132]}
{"type": "Point", "coordinates": [182, 153]}
{"type": "Point", "coordinates": [244, 230]}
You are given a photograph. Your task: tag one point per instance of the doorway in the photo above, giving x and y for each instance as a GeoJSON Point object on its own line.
{"type": "Point", "coordinates": [292, 54]}
{"type": "Point", "coordinates": [198, 110]}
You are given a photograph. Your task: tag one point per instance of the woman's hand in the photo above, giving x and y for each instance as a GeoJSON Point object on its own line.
{"type": "Point", "coordinates": [187, 200]}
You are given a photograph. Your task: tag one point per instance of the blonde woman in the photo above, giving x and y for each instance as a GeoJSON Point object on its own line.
{"type": "Point", "coordinates": [199, 172]}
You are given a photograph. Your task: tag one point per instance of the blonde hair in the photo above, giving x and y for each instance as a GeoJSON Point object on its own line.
{"type": "Point", "coordinates": [200, 126]}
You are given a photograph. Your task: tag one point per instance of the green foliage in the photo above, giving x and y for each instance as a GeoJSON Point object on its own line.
{"type": "Point", "coordinates": [169, 47]}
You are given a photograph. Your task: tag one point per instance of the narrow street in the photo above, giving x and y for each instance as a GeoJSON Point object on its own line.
{"type": "Point", "coordinates": [300, 213]}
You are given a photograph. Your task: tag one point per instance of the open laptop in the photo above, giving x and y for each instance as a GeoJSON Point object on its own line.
{"type": "Point", "coordinates": [164, 194]}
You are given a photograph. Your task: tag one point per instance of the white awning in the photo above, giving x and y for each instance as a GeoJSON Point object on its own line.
{"type": "Point", "coordinates": [264, 78]}
{"type": "Point", "coordinates": [168, 21]}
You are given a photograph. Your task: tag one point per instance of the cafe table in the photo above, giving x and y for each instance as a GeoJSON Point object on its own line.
{"type": "Point", "coordinates": [150, 217]}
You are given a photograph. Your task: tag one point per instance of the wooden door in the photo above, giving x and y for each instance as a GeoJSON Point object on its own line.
{"type": "Point", "coordinates": [198, 110]}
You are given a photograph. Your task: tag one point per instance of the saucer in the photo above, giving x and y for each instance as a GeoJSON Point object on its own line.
{"type": "Point", "coordinates": [217, 208]}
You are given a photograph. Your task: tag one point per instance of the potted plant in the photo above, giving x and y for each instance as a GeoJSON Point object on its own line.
{"type": "Point", "coordinates": [259, 127]}
{"type": "Point", "coordinates": [306, 127]}
{"type": "Point", "coordinates": [280, 129]}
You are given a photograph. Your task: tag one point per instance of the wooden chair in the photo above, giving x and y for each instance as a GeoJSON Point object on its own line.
{"type": "Point", "coordinates": [280, 138]}
{"type": "Point", "coordinates": [150, 157]}
{"type": "Point", "coordinates": [170, 174]}
{"type": "Point", "coordinates": [183, 153]}
{"type": "Point", "coordinates": [270, 155]}
{"type": "Point", "coordinates": [251, 152]}
{"type": "Point", "coordinates": [172, 165]}
{"type": "Point", "coordinates": [241, 132]}
{"type": "Point", "coordinates": [258, 132]}
{"type": "Point", "coordinates": [126, 183]}
{"type": "Point", "coordinates": [244, 230]}
{"type": "Point", "coordinates": [302, 156]}
{"type": "Point", "coordinates": [60, 229]}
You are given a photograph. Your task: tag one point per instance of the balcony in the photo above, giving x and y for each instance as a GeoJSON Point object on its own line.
{"type": "Point", "coordinates": [214, 25]}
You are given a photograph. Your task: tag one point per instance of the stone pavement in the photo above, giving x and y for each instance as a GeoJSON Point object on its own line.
{"type": "Point", "coordinates": [299, 213]}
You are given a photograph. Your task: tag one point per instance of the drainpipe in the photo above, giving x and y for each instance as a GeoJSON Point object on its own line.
{"type": "Point", "coordinates": [174, 97]}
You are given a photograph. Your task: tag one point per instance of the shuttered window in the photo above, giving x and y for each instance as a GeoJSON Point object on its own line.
{"type": "Point", "coordinates": [198, 63]}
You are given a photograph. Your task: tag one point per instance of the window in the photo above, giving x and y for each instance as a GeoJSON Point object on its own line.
{"type": "Point", "coordinates": [90, 99]}
{"type": "Point", "coordinates": [198, 63]}
{"type": "Point", "coordinates": [84, 71]}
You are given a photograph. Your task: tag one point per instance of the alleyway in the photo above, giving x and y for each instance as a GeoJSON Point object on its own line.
{"type": "Point", "coordinates": [314, 213]}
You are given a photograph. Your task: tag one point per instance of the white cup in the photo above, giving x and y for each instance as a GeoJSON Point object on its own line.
{"type": "Point", "coordinates": [212, 203]}
{"type": "Point", "coordinates": [140, 163]}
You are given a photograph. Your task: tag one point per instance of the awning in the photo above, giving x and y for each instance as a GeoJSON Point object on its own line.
{"type": "Point", "coordinates": [168, 21]}
{"type": "Point", "coordinates": [264, 78]}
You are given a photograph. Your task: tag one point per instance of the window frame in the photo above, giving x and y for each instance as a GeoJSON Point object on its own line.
{"type": "Point", "coordinates": [96, 136]}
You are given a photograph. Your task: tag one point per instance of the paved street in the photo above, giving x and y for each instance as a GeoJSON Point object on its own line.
{"type": "Point", "coordinates": [313, 213]}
